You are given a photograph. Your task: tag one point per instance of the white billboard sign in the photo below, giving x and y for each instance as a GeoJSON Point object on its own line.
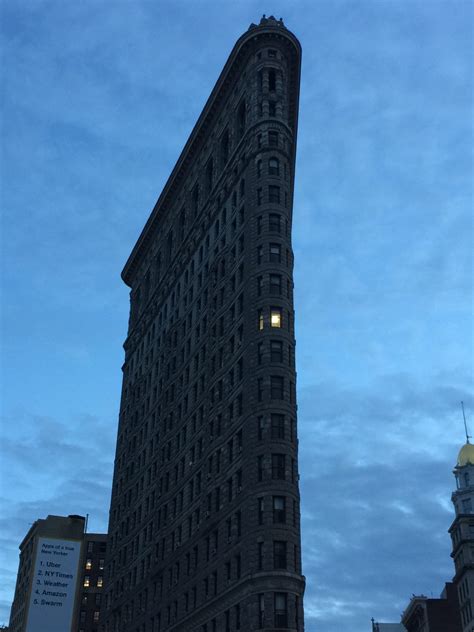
{"type": "Point", "coordinates": [54, 585]}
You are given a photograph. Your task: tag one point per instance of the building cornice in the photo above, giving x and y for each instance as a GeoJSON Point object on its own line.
{"type": "Point", "coordinates": [268, 29]}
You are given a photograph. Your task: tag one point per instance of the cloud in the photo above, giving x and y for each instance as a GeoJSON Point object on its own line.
{"type": "Point", "coordinates": [376, 481]}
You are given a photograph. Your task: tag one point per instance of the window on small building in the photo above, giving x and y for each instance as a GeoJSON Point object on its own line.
{"type": "Point", "coordinates": [96, 616]}
{"type": "Point", "coordinates": [87, 581]}
{"type": "Point", "coordinates": [88, 565]}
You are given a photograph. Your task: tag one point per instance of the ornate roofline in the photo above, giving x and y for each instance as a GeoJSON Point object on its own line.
{"type": "Point", "coordinates": [268, 27]}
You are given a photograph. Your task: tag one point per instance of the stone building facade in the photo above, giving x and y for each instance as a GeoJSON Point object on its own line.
{"type": "Point", "coordinates": [204, 531]}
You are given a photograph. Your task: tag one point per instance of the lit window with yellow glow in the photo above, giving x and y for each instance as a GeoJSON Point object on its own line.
{"type": "Point", "coordinates": [100, 582]}
{"type": "Point", "coordinates": [101, 564]}
{"type": "Point", "coordinates": [88, 565]}
{"type": "Point", "coordinates": [260, 319]}
{"type": "Point", "coordinates": [87, 581]}
{"type": "Point", "coordinates": [275, 317]}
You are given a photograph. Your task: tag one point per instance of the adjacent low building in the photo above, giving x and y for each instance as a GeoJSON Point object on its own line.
{"type": "Point", "coordinates": [428, 614]}
{"type": "Point", "coordinates": [59, 579]}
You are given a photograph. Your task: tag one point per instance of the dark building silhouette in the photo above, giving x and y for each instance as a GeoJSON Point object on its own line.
{"type": "Point", "coordinates": [204, 531]}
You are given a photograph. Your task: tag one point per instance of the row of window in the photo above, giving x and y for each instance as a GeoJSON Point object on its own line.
{"type": "Point", "coordinates": [230, 620]}
{"type": "Point", "coordinates": [88, 584]}
{"type": "Point", "coordinates": [232, 529]}
{"type": "Point", "coordinates": [89, 564]}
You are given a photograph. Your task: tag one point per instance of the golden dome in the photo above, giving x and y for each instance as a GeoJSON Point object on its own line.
{"type": "Point", "coordinates": [466, 455]}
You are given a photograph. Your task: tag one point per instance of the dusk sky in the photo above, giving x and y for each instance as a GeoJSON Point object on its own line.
{"type": "Point", "coordinates": [99, 98]}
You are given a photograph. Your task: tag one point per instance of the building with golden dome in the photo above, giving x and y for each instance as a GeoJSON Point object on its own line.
{"type": "Point", "coordinates": [462, 534]}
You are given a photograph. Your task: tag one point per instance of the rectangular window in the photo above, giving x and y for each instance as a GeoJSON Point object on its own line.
{"type": "Point", "coordinates": [195, 197]}
{"type": "Point", "coordinates": [224, 147]}
{"type": "Point", "coordinates": [279, 509]}
{"type": "Point", "coordinates": [281, 612]}
{"type": "Point", "coordinates": [237, 617]}
{"type": "Point", "coordinates": [260, 467]}
{"type": "Point", "coordinates": [261, 505]}
{"type": "Point", "coordinates": [274, 222]}
{"type": "Point", "coordinates": [259, 285]}
{"type": "Point", "coordinates": [278, 466]}
{"type": "Point", "coordinates": [259, 197]}
{"type": "Point", "coordinates": [279, 554]}
{"type": "Point", "coordinates": [271, 108]}
{"type": "Point", "coordinates": [275, 253]}
{"type": "Point", "coordinates": [260, 427]}
{"type": "Point", "coordinates": [275, 317]}
{"type": "Point", "coordinates": [260, 352]}
{"type": "Point", "coordinates": [278, 426]}
{"type": "Point", "coordinates": [275, 284]}
{"type": "Point", "coordinates": [260, 389]}
{"type": "Point", "coordinates": [276, 351]}
{"type": "Point", "coordinates": [273, 139]}
{"type": "Point", "coordinates": [276, 387]}
{"type": "Point", "coordinates": [274, 194]}
{"type": "Point", "coordinates": [261, 611]}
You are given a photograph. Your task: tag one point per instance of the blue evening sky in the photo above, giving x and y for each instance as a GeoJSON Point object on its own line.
{"type": "Point", "coordinates": [98, 100]}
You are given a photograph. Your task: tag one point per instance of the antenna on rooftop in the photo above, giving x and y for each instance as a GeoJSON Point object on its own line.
{"type": "Point", "coordinates": [468, 436]}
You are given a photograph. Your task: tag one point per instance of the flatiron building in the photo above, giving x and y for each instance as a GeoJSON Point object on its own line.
{"type": "Point", "coordinates": [204, 532]}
